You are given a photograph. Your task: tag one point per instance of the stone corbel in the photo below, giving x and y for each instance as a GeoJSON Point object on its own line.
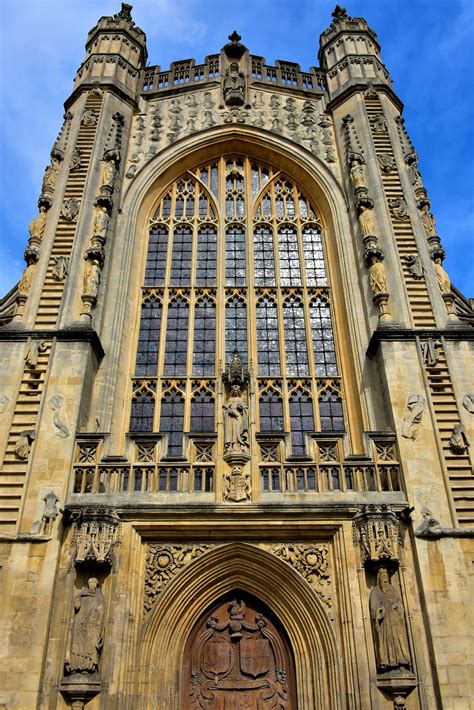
{"type": "Point", "coordinates": [431, 529]}
{"type": "Point", "coordinates": [376, 532]}
{"type": "Point", "coordinates": [97, 532]}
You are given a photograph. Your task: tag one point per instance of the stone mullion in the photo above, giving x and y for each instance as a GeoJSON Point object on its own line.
{"type": "Point", "coordinates": [220, 312]}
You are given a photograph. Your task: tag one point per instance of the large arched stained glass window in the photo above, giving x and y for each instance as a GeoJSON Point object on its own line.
{"type": "Point", "coordinates": [236, 263]}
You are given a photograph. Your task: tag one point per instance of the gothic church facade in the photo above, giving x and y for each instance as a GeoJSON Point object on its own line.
{"type": "Point", "coordinates": [236, 397]}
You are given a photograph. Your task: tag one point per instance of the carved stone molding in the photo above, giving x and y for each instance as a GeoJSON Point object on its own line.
{"type": "Point", "coordinates": [96, 536]}
{"type": "Point", "coordinates": [376, 532]}
{"type": "Point", "coordinates": [312, 562]}
{"type": "Point", "coordinates": [163, 562]}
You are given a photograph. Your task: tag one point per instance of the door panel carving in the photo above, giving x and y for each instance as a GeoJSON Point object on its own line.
{"type": "Point", "coordinates": [238, 658]}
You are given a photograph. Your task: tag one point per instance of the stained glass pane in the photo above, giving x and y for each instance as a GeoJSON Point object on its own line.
{"type": "Point", "coordinates": [181, 261]}
{"type": "Point", "coordinates": [323, 341]}
{"type": "Point", "coordinates": [290, 274]}
{"type": "Point", "coordinates": [295, 338]}
{"type": "Point", "coordinates": [204, 337]}
{"type": "Point", "coordinates": [236, 328]}
{"type": "Point", "coordinates": [314, 257]}
{"type": "Point", "coordinates": [156, 257]}
{"type": "Point", "coordinates": [267, 338]}
{"type": "Point", "coordinates": [176, 338]}
{"type": "Point", "coordinates": [206, 257]}
{"type": "Point", "coordinates": [149, 338]}
{"type": "Point", "coordinates": [235, 256]}
{"type": "Point", "coordinates": [264, 260]}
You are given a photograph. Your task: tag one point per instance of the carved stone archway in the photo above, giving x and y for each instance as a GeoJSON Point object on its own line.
{"type": "Point", "coordinates": [162, 645]}
{"type": "Point", "coordinates": [238, 656]}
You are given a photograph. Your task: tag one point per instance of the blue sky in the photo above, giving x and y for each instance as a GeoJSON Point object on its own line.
{"type": "Point", "coordinates": [427, 45]}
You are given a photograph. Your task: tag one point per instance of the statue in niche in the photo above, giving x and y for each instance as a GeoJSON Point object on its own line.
{"type": "Point", "coordinates": [398, 208]}
{"type": "Point", "coordinates": [366, 221]}
{"type": "Point", "coordinates": [109, 172]}
{"type": "Point", "coordinates": [101, 222]}
{"type": "Point", "coordinates": [443, 278]}
{"type": "Point", "coordinates": [413, 416]}
{"type": "Point", "coordinates": [429, 352]}
{"type": "Point", "coordinates": [415, 267]}
{"type": "Point", "coordinates": [234, 86]}
{"type": "Point", "coordinates": [236, 422]}
{"type": "Point", "coordinates": [26, 280]}
{"type": "Point", "coordinates": [415, 175]}
{"type": "Point", "coordinates": [428, 220]}
{"type": "Point", "coordinates": [70, 209]}
{"type": "Point", "coordinates": [458, 441]}
{"type": "Point", "coordinates": [50, 176]}
{"type": "Point", "coordinates": [76, 160]}
{"type": "Point", "coordinates": [88, 630]}
{"type": "Point", "coordinates": [59, 268]}
{"type": "Point", "coordinates": [36, 228]}
{"type": "Point", "coordinates": [357, 175]}
{"type": "Point", "coordinates": [89, 118]}
{"type": "Point", "coordinates": [388, 622]}
{"type": "Point", "coordinates": [34, 349]}
{"type": "Point", "coordinates": [378, 278]}
{"type": "Point", "coordinates": [379, 123]}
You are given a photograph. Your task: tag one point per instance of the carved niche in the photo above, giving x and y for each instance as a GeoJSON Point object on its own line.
{"type": "Point", "coordinates": [376, 532]}
{"type": "Point", "coordinates": [238, 657]}
{"type": "Point", "coordinates": [96, 536]}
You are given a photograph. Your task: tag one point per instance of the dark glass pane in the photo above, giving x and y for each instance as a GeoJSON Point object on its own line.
{"type": "Point", "coordinates": [264, 261]}
{"type": "Point", "coordinates": [235, 257]}
{"type": "Point", "coordinates": [290, 274]}
{"type": "Point", "coordinates": [172, 421]}
{"type": "Point", "coordinates": [181, 260]}
{"type": "Point", "coordinates": [267, 338]}
{"type": "Point", "coordinates": [301, 418]}
{"type": "Point", "coordinates": [149, 338]}
{"type": "Point", "coordinates": [156, 257]}
{"type": "Point", "coordinates": [176, 338]}
{"type": "Point", "coordinates": [202, 412]}
{"type": "Point", "coordinates": [236, 328]}
{"type": "Point", "coordinates": [330, 411]}
{"type": "Point", "coordinates": [271, 412]}
{"type": "Point", "coordinates": [323, 341]}
{"type": "Point", "coordinates": [314, 257]}
{"type": "Point", "coordinates": [204, 338]}
{"type": "Point", "coordinates": [143, 409]}
{"type": "Point", "coordinates": [295, 338]}
{"type": "Point", "coordinates": [206, 257]}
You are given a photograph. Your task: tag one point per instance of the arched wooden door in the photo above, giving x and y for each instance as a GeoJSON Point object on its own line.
{"type": "Point", "coordinates": [238, 658]}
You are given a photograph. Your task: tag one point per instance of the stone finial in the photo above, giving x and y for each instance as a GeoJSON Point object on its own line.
{"type": "Point", "coordinates": [97, 534]}
{"type": "Point", "coordinates": [339, 13]}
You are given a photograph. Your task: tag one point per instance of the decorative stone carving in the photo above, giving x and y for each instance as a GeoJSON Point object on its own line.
{"type": "Point", "coordinates": [428, 220]}
{"type": "Point", "coordinates": [236, 423]}
{"type": "Point", "coordinates": [415, 267]}
{"type": "Point", "coordinates": [59, 268]}
{"type": "Point", "coordinates": [50, 512]}
{"type": "Point", "coordinates": [371, 91]}
{"type": "Point", "coordinates": [312, 562]}
{"type": "Point", "coordinates": [386, 162]}
{"type": "Point", "coordinates": [32, 353]}
{"type": "Point", "coordinates": [352, 144]}
{"type": "Point", "coordinates": [430, 352]}
{"type": "Point", "coordinates": [37, 225]}
{"type": "Point", "coordinates": [91, 280]}
{"type": "Point", "coordinates": [388, 624]}
{"type": "Point", "coordinates": [76, 160]}
{"type": "Point", "coordinates": [60, 420]}
{"type": "Point", "coordinates": [357, 176]}
{"type": "Point", "coordinates": [87, 637]}
{"type": "Point", "coordinates": [50, 179]}
{"type": "Point", "coordinates": [378, 278]}
{"type": "Point", "coordinates": [376, 532]}
{"type": "Point", "coordinates": [468, 402]}
{"type": "Point", "coordinates": [89, 118]}
{"type": "Point", "coordinates": [408, 149]}
{"type": "Point", "coordinates": [163, 562]}
{"type": "Point", "coordinates": [237, 485]}
{"type": "Point", "coordinates": [429, 526]}
{"type": "Point", "coordinates": [398, 208]}
{"type": "Point", "coordinates": [443, 278]}
{"type": "Point", "coordinates": [458, 441]}
{"type": "Point", "coordinates": [328, 139]}
{"type": "Point", "coordinates": [113, 143]}
{"type": "Point", "coordinates": [4, 402]}
{"type": "Point", "coordinates": [413, 415]}
{"type": "Point", "coordinates": [26, 279]}
{"type": "Point", "coordinates": [379, 123]}
{"type": "Point", "coordinates": [70, 209]}
{"type": "Point", "coordinates": [234, 86]}
{"type": "Point", "coordinates": [23, 444]}
{"type": "Point", "coordinates": [101, 223]}
{"type": "Point", "coordinates": [97, 536]}
{"type": "Point", "coordinates": [109, 173]}
{"type": "Point", "coordinates": [366, 221]}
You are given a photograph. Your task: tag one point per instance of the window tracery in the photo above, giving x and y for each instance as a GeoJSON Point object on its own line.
{"type": "Point", "coordinates": [253, 280]}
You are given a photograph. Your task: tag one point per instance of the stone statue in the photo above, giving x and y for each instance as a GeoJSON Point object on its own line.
{"type": "Point", "coordinates": [442, 276]}
{"type": "Point", "coordinates": [89, 118]}
{"type": "Point", "coordinates": [36, 228]}
{"type": "Point", "coordinates": [428, 221]}
{"type": "Point", "coordinates": [91, 279]}
{"type": "Point", "coordinates": [59, 416]}
{"type": "Point", "coordinates": [398, 208]}
{"type": "Point", "coordinates": [109, 172]}
{"type": "Point", "coordinates": [366, 221]}
{"type": "Point", "coordinates": [26, 280]}
{"type": "Point", "coordinates": [23, 444]}
{"type": "Point", "coordinates": [34, 349]}
{"type": "Point", "coordinates": [415, 267]}
{"type": "Point", "coordinates": [88, 630]}
{"type": "Point", "coordinates": [50, 176]}
{"type": "Point", "coordinates": [101, 222]}
{"type": "Point", "coordinates": [378, 279]}
{"type": "Point", "coordinates": [429, 351]}
{"type": "Point", "coordinates": [413, 415]}
{"type": "Point", "coordinates": [236, 428]}
{"type": "Point", "coordinates": [50, 512]}
{"type": "Point", "coordinates": [234, 86]}
{"type": "Point", "coordinates": [458, 441]}
{"type": "Point", "coordinates": [388, 622]}
{"type": "Point", "coordinates": [60, 268]}
{"type": "Point", "coordinates": [357, 175]}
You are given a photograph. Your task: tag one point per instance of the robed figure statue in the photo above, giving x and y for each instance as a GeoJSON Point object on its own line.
{"type": "Point", "coordinates": [236, 422]}
{"type": "Point", "coordinates": [388, 622]}
{"type": "Point", "coordinates": [88, 629]}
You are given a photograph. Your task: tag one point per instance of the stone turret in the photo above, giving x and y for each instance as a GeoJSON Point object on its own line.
{"type": "Point", "coordinates": [116, 51]}
{"type": "Point", "coordinates": [350, 53]}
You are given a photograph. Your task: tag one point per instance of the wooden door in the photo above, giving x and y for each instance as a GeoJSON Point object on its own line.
{"type": "Point", "coordinates": [238, 658]}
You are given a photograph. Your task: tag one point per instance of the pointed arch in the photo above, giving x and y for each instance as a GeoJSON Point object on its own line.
{"type": "Point", "coordinates": [259, 573]}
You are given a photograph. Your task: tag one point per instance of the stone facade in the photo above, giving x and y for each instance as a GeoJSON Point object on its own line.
{"type": "Point", "coordinates": [280, 512]}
